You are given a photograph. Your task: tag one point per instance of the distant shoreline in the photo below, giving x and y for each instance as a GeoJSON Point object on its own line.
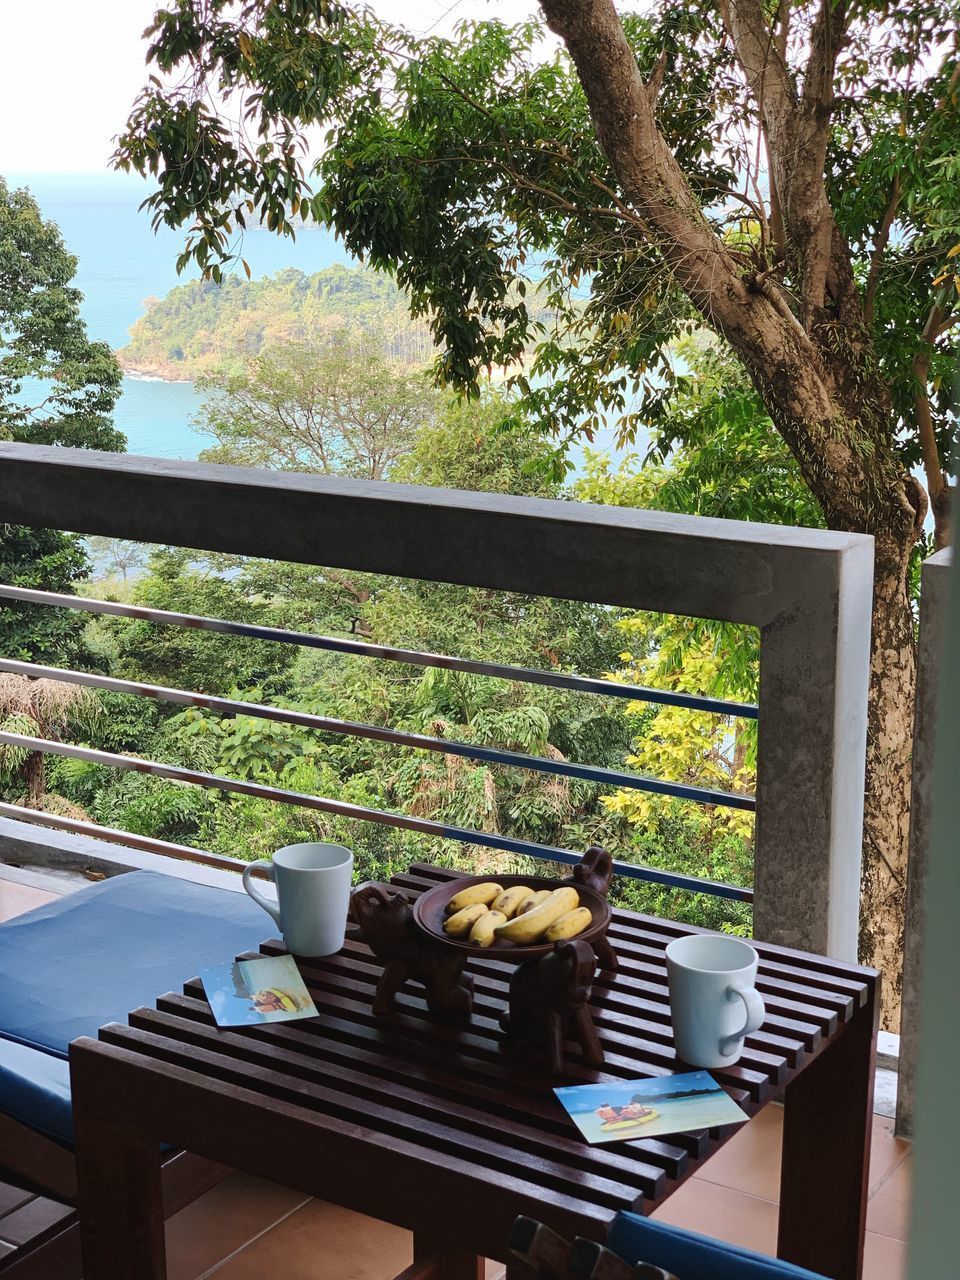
{"type": "Point", "coordinates": [150, 373]}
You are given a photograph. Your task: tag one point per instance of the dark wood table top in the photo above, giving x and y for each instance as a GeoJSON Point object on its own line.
{"type": "Point", "coordinates": [456, 1096]}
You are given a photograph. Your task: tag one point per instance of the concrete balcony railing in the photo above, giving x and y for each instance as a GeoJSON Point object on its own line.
{"type": "Point", "coordinates": [807, 591]}
{"type": "Point", "coordinates": [935, 578]}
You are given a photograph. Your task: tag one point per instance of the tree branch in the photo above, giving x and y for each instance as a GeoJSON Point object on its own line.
{"type": "Point", "coordinates": [938, 490]}
{"type": "Point", "coordinates": [879, 248]}
{"type": "Point", "coordinates": [789, 370]}
{"type": "Point", "coordinates": [360, 594]}
{"type": "Point", "coordinates": [797, 130]}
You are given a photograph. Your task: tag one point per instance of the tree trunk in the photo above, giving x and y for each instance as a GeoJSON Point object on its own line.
{"type": "Point", "coordinates": [889, 758]}
{"type": "Point", "coordinates": [810, 358]}
{"type": "Point", "coordinates": [36, 778]}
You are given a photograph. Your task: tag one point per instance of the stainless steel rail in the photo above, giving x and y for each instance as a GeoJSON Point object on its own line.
{"type": "Point", "coordinates": [362, 648]}
{"type": "Point", "coordinates": [344, 809]}
{"type": "Point", "coordinates": [379, 733]}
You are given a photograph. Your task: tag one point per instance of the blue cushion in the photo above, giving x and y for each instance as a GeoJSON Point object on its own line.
{"type": "Point", "coordinates": [35, 1089]}
{"type": "Point", "coordinates": [89, 958]}
{"type": "Point", "coordinates": [693, 1257]}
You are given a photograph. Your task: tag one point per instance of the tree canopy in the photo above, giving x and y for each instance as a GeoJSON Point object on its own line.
{"type": "Point", "coordinates": [316, 407]}
{"type": "Point", "coordinates": [471, 169]}
{"type": "Point", "coordinates": [56, 387]}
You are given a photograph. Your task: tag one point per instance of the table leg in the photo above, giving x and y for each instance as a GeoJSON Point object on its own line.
{"type": "Point", "coordinates": [827, 1126]}
{"type": "Point", "coordinates": [120, 1194]}
{"type": "Point", "coordinates": [450, 1264]}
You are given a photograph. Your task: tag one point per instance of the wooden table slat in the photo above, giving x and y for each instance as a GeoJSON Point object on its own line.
{"type": "Point", "coordinates": [341, 978]}
{"type": "Point", "coordinates": [475, 1079]}
{"type": "Point", "coordinates": [356, 962]}
{"type": "Point", "coordinates": [428, 1097]}
{"type": "Point", "coordinates": [445, 1138]}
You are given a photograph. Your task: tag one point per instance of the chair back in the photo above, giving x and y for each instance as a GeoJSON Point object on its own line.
{"type": "Point", "coordinates": [638, 1248]}
{"type": "Point", "coordinates": [694, 1257]}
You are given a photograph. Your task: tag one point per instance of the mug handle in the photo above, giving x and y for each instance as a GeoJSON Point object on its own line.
{"type": "Point", "coordinates": [755, 1016]}
{"type": "Point", "coordinates": [273, 908]}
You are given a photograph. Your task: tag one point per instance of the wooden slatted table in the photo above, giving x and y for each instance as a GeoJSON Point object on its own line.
{"type": "Point", "coordinates": [445, 1129]}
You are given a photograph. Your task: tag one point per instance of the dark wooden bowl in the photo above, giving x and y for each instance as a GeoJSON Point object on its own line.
{"type": "Point", "coordinates": [430, 911]}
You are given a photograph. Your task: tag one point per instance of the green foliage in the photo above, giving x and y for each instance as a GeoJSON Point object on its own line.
{"type": "Point", "coordinates": [56, 387]}
{"type": "Point", "coordinates": [202, 328]}
{"type": "Point", "coordinates": [895, 153]}
{"type": "Point", "coordinates": [150, 807]}
{"type": "Point", "coordinates": [480, 446]}
{"type": "Point", "coordinates": [714, 452]}
{"type": "Point", "coordinates": [719, 452]}
{"type": "Point", "coordinates": [470, 169]}
{"type": "Point", "coordinates": [51, 561]}
{"type": "Point", "coordinates": [44, 341]}
{"type": "Point", "coordinates": [192, 659]}
{"type": "Point", "coordinates": [38, 709]}
{"type": "Point", "coordinates": [303, 407]}
{"type": "Point", "coordinates": [679, 840]}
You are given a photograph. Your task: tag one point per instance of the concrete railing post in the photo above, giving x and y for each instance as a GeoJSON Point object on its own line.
{"type": "Point", "coordinates": [934, 582]}
{"type": "Point", "coordinates": [814, 672]}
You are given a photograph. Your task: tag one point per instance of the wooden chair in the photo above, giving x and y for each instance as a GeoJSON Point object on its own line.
{"type": "Point", "coordinates": [549, 1257]}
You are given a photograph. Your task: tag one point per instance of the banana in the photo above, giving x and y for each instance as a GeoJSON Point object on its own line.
{"type": "Point", "coordinates": [532, 925]}
{"type": "Point", "coordinates": [482, 932]}
{"type": "Point", "coordinates": [569, 925]}
{"type": "Point", "coordinates": [510, 899]}
{"type": "Point", "coordinates": [533, 900]}
{"type": "Point", "coordinates": [464, 920]}
{"type": "Point", "coordinates": [474, 893]}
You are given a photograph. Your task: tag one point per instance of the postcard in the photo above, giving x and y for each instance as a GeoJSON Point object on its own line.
{"type": "Point", "coordinates": [623, 1109]}
{"type": "Point", "coordinates": [252, 991]}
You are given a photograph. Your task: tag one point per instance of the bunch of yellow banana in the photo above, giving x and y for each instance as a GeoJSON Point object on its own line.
{"type": "Point", "coordinates": [486, 912]}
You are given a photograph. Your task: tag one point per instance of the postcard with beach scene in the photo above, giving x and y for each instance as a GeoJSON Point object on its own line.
{"type": "Point", "coordinates": [253, 991]}
{"type": "Point", "coordinates": [622, 1109]}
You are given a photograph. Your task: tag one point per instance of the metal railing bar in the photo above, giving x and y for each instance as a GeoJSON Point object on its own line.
{"type": "Point", "coordinates": [326, 724]}
{"type": "Point", "coordinates": [362, 648]}
{"type": "Point", "coordinates": [343, 808]}
{"type": "Point", "coordinates": [112, 835]}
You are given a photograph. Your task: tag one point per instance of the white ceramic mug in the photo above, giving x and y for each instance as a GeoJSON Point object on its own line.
{"type": "Point", "coordinates": [313, 895]}
{"type": "Point", "coordinates": [712, 981]}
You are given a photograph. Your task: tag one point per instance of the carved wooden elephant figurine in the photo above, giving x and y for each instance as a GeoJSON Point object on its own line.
{"type": "Point", "coordinates": [549, 1000]}
{"type": "Point", "coordinates": [384, 920]}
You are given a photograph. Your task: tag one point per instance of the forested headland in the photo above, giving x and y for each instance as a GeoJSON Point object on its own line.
{"type": "Point", "coordinates": [202, 328]}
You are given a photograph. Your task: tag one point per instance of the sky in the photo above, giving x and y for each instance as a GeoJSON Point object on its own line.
{"type": "Point", "coordinates": [70, 69]}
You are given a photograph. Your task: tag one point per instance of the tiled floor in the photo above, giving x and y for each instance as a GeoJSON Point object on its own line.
{"type": "Point", "coordinates": [16, 898]}
{"type": "Point", "coordinates": [733, 1198]}
{"type": "Point", "coordinates": [246, 1228]}
{"type": "Point", "coordinates": [735, 1195]}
